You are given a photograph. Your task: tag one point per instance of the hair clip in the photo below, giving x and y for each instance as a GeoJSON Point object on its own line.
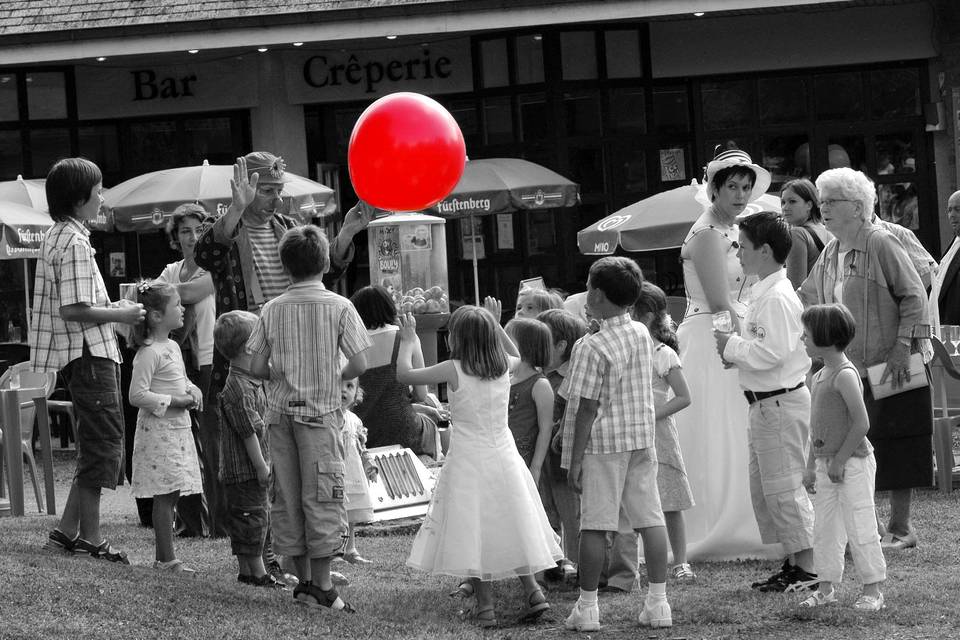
{"type": "Point", "coordinates": [144, 286]}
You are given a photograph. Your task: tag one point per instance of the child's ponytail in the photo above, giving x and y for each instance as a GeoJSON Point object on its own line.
{"type": "Point", "coordinates": [154, 296]}
{"type": "Point", "coordinates": [653, 300]}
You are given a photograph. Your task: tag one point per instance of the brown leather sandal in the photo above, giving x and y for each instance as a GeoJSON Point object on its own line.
{"type": "Point", "coordinates": [536, 605]}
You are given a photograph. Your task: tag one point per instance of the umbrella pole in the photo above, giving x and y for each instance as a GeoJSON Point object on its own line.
{"type": "Point", "coordinates": [473, 252]}
{"type": "Point", "coordinates": [26, 297]}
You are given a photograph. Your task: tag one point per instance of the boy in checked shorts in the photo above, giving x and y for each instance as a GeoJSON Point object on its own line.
{"type": "Point", "coordinates": [608, 443]}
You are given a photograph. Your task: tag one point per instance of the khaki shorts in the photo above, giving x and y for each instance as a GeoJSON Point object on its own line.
{"type": "Point", "coordinates": [309, 516]}
{"type": "Point", "coordinates": [615, 481]}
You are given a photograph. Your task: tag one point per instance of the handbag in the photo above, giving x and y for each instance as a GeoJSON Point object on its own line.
{"type": "Point", "coordinates": [918, 378]}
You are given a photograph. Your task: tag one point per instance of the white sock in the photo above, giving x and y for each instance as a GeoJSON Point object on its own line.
{"type": "Point", "coordinates": [657, 591]}
{"type": "Point", "coordinates": [588, 597]}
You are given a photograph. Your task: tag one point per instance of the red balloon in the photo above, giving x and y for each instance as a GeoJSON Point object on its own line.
{"type": "Point", "coordinates": [406, 153]}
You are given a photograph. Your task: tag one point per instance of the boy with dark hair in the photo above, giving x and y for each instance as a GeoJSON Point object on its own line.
{"type": "Point", "coordinates": [71, 330]}
{"type": "Point", "coordinates": [772, 363]}
{"type": "Point", "coordinates": [296, 344]}
{"type": "Point", "coordinates": [608, 442]}
{"type": "Point", "coordinates": [244, 457]}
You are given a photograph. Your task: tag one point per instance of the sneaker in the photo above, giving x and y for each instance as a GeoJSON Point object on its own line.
{"type": "Point", "coordinates": [789, 578]}
{"type": "Point", "coordinates": [175, 566]}
{"type": "Point", "coordinates": [569, 572]}
{"type": "Point", "coordinates": [103, 551]}
{"type": "Point", "coordinates": [313, 596]}
{"type": "Point", "coordinates": [802, 580]}
{"type": "Point", "coordinates": [338, 579]}
{"type": "Point", "coordinates": [818, 599]}
{"type": "Point", "coordinates": [282, 577]}
{"type": "Point", "coordinates": [683, 571]}
{"type": "Point", "coordinates": [656, 614]}
{"type": "Point", "coordinates": [869, 603]}
{"type": "Point", "coordinates": [584, 617]}
{"type": "Point", "coordinates": [58, 542]}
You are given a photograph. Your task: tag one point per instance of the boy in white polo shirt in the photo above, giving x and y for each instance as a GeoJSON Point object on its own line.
{"type": "Point", "coordinates": [772, 364]}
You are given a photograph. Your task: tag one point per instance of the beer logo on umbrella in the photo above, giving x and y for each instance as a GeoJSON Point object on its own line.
{"type": "Point", "coordinates": [612, 223]}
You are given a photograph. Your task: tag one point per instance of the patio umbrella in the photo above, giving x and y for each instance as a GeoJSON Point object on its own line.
{"type": "Point", "coordinates": [31, 193]}
{"type": "Point", "coordinates": [504, 185]}
{"type": "Point", "coordinates": [146, 202]}
{"type": "Point", "coordinates": [658, 222]}
{"type": "Point", "coordinates": [21, 231]}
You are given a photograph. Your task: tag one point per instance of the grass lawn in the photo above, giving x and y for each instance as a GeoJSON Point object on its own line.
{"type": "Point", "coordinates": [44, 596]}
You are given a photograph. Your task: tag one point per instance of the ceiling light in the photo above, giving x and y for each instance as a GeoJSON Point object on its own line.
{"type": "Point", "coordinates": [698, 13]}
{"type": "Point", "coordinates": [538, 37]}
{"type": "Point", "coordinates": [391, 37]}
{"type": "Point", "coordinates": [262, 49]}
{"type": "Point", "coordinates": [101, 59]}
{"type": "Point", "coordinates": [298, 44]}
{"type": "Point", "coordinates": [193, 51]}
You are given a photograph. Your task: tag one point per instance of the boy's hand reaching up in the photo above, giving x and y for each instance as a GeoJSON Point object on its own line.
{"type": "Point", "coordinates": [408, 327]}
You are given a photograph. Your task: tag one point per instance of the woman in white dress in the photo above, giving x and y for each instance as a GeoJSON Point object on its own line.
{"type": "Point", "coordinates": [713, 429]}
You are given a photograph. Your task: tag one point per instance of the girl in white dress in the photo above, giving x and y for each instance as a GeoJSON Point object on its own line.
{"type": "Point", "coordinates": [713, 429]}
{"type": "Point", "coordinates": [486, 520]}
{"type": "Point", "coordinates": [359, 469]}
{"type": "Point", "coordinates": [165, 462]}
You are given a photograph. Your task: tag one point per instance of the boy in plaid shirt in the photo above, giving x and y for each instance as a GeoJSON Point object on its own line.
{"type": "Point", "coordinates": [244, 457]}
{"type": "Point", "coordinates": [608, 444]}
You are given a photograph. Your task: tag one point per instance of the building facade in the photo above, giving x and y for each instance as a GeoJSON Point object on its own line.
{"type": "Point", "coordinates": [626, 98]}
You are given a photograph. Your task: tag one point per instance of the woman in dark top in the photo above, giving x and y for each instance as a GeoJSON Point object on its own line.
{"type": "Point", "coordinates": [387, 411]}
{"type": "Point", "coordinates": [801, 208]}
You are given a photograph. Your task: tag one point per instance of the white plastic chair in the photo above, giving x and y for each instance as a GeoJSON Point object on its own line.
{"type": "Point", "coordinates": [28, 412]}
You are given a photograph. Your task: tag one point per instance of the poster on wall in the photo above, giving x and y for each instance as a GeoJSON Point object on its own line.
{"type": "Point", "coordinates": [471, 238]}
{"type": "Point", "coordinates": [672, 166]}
{"type": "Point", "coordinates": [118, 265]}
{"type": "Point", "coordinates": [505, 232]}
{"type": "Point", "coordinates": [956, 130]}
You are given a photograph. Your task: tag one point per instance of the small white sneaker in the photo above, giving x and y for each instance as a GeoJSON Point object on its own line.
{"type": "Point", "coordinates": [584, 617]}
{"type": "Point", "coordinates": [656, 614]}
{"type": "Point", "coordinates": [869, 603]}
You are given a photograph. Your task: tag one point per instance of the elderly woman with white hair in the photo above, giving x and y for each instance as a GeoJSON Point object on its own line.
{"type": "Point", "coordinates": [867, 269]}
{"type": "Point", "coordinates": [713, 429]}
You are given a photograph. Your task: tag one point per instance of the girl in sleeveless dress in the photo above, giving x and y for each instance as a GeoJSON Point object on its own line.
{"type": "Point", "coordinates": [359, 469]}
{"type": "Point", "coordinates": [165, 464]}
{"type": "Point", "coordinates": [485, 521]}
{"type": "Point", "coordinates": [713, 429]}
{"type": "Point", "coordinates": [531, 397]}
{"type": "Point", "coordinates": [670, 395]}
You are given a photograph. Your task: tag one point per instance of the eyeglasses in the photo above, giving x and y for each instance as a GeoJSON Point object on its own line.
{"type": "Point", "coordinates": [833, 201]}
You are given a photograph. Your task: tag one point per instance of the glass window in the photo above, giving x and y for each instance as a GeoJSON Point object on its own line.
{"type": "Point", "coordinates": [897, 203]}
{"type": "Point", "coordinates": [344, 120]}
{"type": "Point", "coordinates": [838, 96]}
{"type": "Point", "coordinates": [895, 154]}
{"type": "Point", "coordinates": [782, 100]}
{"type": "Point", "coordinates": [587, 214]}
{"type": "Point", "coordinates": [11, 156]}
{"type": "Point", "coordinates": [209, 139]}
{"type": "Point", "coordinates": [493, 58]}
{"type": "Point", "coordinates": [529, 58]}
{"type": "Point", "coordinates": [533, 117]}
{"type": "Point", "coordinates": [541, 232]}
{"type": "Point", "coordinates": [497, 120]}
{"type": "Point", "coordinates": [46, 95]}
{"type": "Point", "coordinates": [623, 53]}
{"type": "Point", "coordinates": [628, 110]}
{"type": "Point", "coordinates": [8, 97]}
{"type": "Point", "coordinates": [47, 146]}
{"type": "Point", "coordinates": [586, 168]}
{"type": "Point", "coordinates": [465, 113]}
{"type": "Point", "coordinates": [786, 157]}
{"type": "Point", "coordinates": [671, 112]}
{"type": "Point", "coordinates": [100, 144]}
{"type": "Point", "coordinates": [726, 105]}
{"type": "Point", "coordinates": [150, 146]}
{"type": "Point", "coordinates": [629, 167]}
{"type": "Point", "coordinates": [582, 112]}
{"type": "Point", "coordinates": [578, 50]}
{"type": "Point", "coordinates": [846, 151]}
{"type": "Point", "coordinates": [895, 93]}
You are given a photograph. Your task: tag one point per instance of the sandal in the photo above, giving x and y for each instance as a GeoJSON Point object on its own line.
{"type": "Point", "coordinates": [536, 605]}
{"type": "Point", "coordinates": [313, 596]}
{"type": "Point", "coordinates": [486, 617]}
{"type": "Point", "coordinates": [354, 557]}
{"type": "Point", "coordinates": [818, 599]}
{"type": "Point", "coordinates": [464, 590]}
{"type": "Point", "coordinates": [174, 566]}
